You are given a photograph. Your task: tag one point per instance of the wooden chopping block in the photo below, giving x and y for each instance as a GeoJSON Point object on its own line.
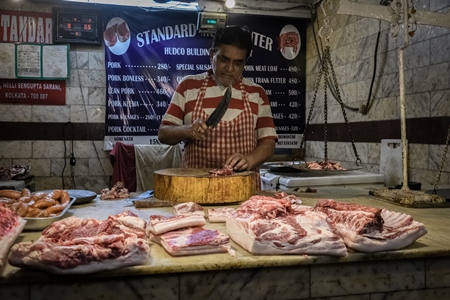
{"type": "Point", "coordinates": [196, 185]}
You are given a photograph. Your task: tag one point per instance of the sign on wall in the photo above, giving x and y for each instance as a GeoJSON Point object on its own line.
{"type": "Point", "coordinates": [25, 27]}
{"type": "Point", "coordinates": [26, 52]}
{"type": "Point", "coordinates": [148, 53]}
{"type": "Point", "coordinates": [33, 92]}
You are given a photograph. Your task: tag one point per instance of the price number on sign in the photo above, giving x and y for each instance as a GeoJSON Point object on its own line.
{"type": "Point", "coordinates": [164, 79]}
{"type": "Point", "coordinates": [161, 92]}
{"type": "Point", "coordinates": [293, 93]}
{"type": "Point", "coordinates": [161, 104]}
{"type": "Point", "coordinates": [293, 69]}
{"type": "Point", "coordinates": [293, 104]}
{"type": "Point", "coordinates": [293, 80]}
{"type": "Point", "coordinates": [153, 117]}
{"type": "Point", "coordinates": [294, 128]}
{"type": "Point", "coordinates": [162, 66]}
{"type": "Point", "coordinates": [293, 116]}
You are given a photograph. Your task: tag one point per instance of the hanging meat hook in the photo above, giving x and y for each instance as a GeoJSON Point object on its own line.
{"type": "Point", "coordinates": [326, 30]}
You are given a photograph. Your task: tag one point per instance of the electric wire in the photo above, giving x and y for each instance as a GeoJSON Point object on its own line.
{"type": "Point", "coordinates": [333, 91]}
{"type": "Point", "coordinates": [369, 102]}
{"type": "Point", "coordinates": [87, 119]}
{"type": "Point", "coordinates": [65, 151]}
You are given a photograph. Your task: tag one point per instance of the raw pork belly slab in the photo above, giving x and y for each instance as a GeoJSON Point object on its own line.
{"type": "Point", "coordinates": [268, 226]}
{"type": "Point", "coordinates": [370, 229]}
{"type": "Point", "coordinates": [160, 224]}
{"type": "Point", "coordinates": [11, 225]}
{"type": "Point", "coordinates": [292, 198]}
{"type": "Point", "coordinates": [193, 241]}
{"type": "Point", "coordinates": [220, 215]}
{"type": "Point", "coordinates": [188, 208]}
{"type": "Point", "coordinates": [80, 246]}
{"type": "Point", "coordinates": [263, 207]}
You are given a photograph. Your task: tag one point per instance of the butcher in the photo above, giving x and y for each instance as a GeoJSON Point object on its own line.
{"type": "Point", "coordinates": [245, 136]}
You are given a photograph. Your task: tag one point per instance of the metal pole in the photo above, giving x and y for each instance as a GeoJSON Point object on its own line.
{"type": "Point", "coordinates": [402, 95]}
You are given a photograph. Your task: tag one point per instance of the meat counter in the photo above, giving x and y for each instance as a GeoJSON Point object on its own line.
{"type": "Point", "coordinates": [420, 271]}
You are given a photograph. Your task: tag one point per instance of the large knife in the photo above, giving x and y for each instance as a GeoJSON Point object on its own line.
{"type": "Point", "coordinates": [220, 110]}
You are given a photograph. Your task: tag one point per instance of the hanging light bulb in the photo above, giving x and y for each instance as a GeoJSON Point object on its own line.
{"type": "Point", "coordinates": [230, 3]}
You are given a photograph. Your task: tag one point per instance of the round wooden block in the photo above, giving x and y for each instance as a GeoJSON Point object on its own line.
{"type": "Point", "coordinates": [196, 185]}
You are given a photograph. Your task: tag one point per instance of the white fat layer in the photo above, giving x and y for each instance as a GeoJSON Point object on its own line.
{"type": "Point", "coordinates": [169, 225]}
{"type": "Point", "coordinates": [316, 242]}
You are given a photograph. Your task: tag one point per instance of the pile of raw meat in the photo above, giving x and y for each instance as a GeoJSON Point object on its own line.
{"type": "Point", "coordinates": [225, 171]}
{"type": "Point", "coordinates": [265, 225]}
{"type": "Point", "coordinates": [78, 246]}
{"type": "Point", "coordinates": [261, 225]}
{"type": "Point", "coordinates": [324, 165]}
{"type": "Point", "coordinates": [371, 229]}
{"type": "Point", "coordinates": [118, 191]}
{"type": "Point", "coordinates": [184, 232]}
{"type": "Point", "coordinates": [15, 171]}
{"type": "Point", "coordinates": [11, 225]}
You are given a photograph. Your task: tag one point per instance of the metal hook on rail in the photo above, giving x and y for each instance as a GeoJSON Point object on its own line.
{"type": "Point", "coordinates": [326, 30]}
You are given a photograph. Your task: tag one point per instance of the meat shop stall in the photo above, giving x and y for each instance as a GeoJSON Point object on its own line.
{"type": "Point", "coordinates": [418, 271]}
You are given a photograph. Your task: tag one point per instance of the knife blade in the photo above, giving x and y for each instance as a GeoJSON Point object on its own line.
{"type": "Point", "coordinates": [220, 110]}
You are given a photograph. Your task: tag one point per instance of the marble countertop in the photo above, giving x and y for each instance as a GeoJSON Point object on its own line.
{"type": "Point", "coordinates": [435, 243]}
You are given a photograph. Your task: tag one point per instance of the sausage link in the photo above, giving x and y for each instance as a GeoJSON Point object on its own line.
{"type": "Point", "coordinates": [24, 199]}
{"type": "Point", "coordinates": [44, 203]}
{"type": "Point", "coordinates": [22, 210]}
{"type": "Point", "coordinates": [7, 200]}
{"type": "Point", "coordinates": [56, 194]}
{"type": "Point", "coordinates": [38, 196]}
{"type": "Point", "coordinates": [65, 198]}
{"type": "Point", "coordinates": [25, 193]}
{"type": "Point", "coordinates": [32, 212]}
{"type": "Point", "coordinates": [13, 194]}
{"type": "Point", "coordinates": [15, 206]}
{"type": "Point", "coordinates": [43, 214]}
{"type": "Point", "coordinates": [55, 209]}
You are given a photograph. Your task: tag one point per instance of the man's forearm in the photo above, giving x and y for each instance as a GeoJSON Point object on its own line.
{"type": "Point", "coordinates": [172, 134]}
{"type": "Point", "coordinates": [261, 153]}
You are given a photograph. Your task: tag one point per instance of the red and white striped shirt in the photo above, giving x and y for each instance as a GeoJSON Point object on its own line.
{"type": "Point", "coordinates": [185, 97]}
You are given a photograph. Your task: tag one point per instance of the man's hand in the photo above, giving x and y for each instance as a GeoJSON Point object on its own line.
{"type": "Point", "coordinates": [254, 159]}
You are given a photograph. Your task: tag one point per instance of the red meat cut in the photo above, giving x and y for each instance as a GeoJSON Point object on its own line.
{"type": "Point", "coordinates": [80, 246]}
{"type": "Point", "coordinates": [220, 214]}
{"type": "Point", "coordinates": [370, 229]}
{"type": "Point", "coordinates": [267, 226]}
{"type": "Point", "coordinates": [11, 225]}
{"type": "Point", "coordinates": [194, 241]}
{"type": "Point", "coordinates": [188, 208]}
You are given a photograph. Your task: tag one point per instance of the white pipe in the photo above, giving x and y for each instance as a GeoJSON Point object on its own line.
{"type": "Point", "coordinates": [402, 95]}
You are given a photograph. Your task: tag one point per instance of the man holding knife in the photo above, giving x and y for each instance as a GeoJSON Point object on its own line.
{"type": "Point", "coordinates": [223, 118]}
